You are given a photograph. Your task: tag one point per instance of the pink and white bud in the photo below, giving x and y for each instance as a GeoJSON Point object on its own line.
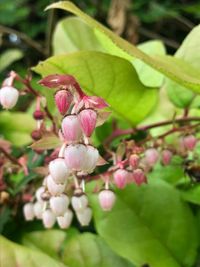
{"type": "Point", "coordinates": [75, 157]}
{"type": "Point", "coordinates": [79, 203]}
{"type": "Point", "coordinates": [48, 218]}
{"type": "Point", "coordinates": [190, 142]}
{"type": "Point", "coordinates": [63, 99]}
{"type": "Point", "coordinates": [88, 119]}
{"type": "Point", "coordinates": [91, 159]}
{"type": "Point", "coordinates": [134, 160]}
{"type": "Point", "coordinates": [28, 211]}
{"type": "Point", "coordinates": [166, 157]}
{"type": "Point", "coordinates": [54, 188]}
{"type": "Point", "coordinates": [107, 199]}
{"type": "Point", "coordinates": [8, 97]}
{"type": "Point", "coordinates": [39, 193]}
{"type": "Point", "coordinates": [59, 204]}
{"type": "Point", "coordinates": [151, 156]}
{"type": "Point", "coordinates": [58, 170]}
{"type": "Point", "coordinates": [139, 177]}
{"type": "Point", "coordinates": [71, 128]}
{"type": "Point", "coordinates": [38, 209]}
{"type": "Point", "coordinates": [121, 177]}
{"type": "Point", "coordinates": [65, 221]}
{"type": "Point", "coordinates": [84, 216]}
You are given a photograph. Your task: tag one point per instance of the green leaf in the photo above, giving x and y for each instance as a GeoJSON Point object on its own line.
{"type": "Point", "coordinates": [49, 141]}
{"type": "Point", "coordinates": [147, 74]}
{"type": "Point", "coordinates": [72, 34]}
{"type": "Point", "coordinates": [110, 77]}
{"type": "Point", "coordinates": [122, 48]}
{"type": "Point", "coordinates": [191, 194]}
{"type": "Point", "coordinates": [13, 255]}
{"type": "Point", "coordinates": [189, 51]}
{"type": "Point", "coordinates": [89, 250]}
{"type": "Point", "coordinates": [8, 57]}
{"type": "Point", "coordinates": [149, 224]}
{"type": "Point", "coordinates": [17, 127]}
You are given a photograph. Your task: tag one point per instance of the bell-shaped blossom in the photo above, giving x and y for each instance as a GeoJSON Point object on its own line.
{"type": "Point", "coordinates": [75, 157]}
{"type": "Point", "coordinates": [166, 157]}
{"type": "Point", "coordinates": [28, 211]}
{"type": "Point", "coordinates": [54, 188]}
{"type": "Point", "coordinates": [84, 216]}
{"type": "Point", "coordinates": [65, 221]}
{"type": "Point", "coordinates": [8, 97]}
{"type": "Point", "coordinates": [39, 193]}
{"type": "Point", "coordinates": [88, 119]}
{"type": "Point", "coordinates": [190, 142]}
{"type": "Point", "coordinates": [48, 218]}
{"type": "Point", "coordinates": [63, 99]}
{"type": "Point", "coordinates": [139, 177]}
{"type": "Point", "coordinates": [107, 199]}
{"type": "Point", "coordinates": [38, 209]}
{"type": "Point", "coordinates": [121, 177]}
{"type": "Point", "coordinates": [91, 159]}
{"type": "Point", "coordinates": [134, 160]}
{"type": "Point", "coordinates": [79, 203]}
{"type": "Point", "coordinates": [59, 204]}
{"type": "Point", "coordinates": [151, 156]}
{"type": "Point", "coordinates": [58, 170]}
{"type": "Point", "coordinates": [71, 128]}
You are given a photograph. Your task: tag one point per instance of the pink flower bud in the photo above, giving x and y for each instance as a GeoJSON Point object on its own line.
{"type": "Point", "coordinates": [75, 156]}
{"type": "Point", "coordinates": [107, 199]}
{"type": "Point", "coordinates": [79, 203]}
{"type": "Point", "coordinates": [8, 97]}
{"type": "Point", "coordinates": [190, 142]}
{"type": "Point", "coordinates": [58, 170]}
{"type": "Point", "coordinates": [59, 204]}
{"type": "Point", "coordinates": [38, 209]}
{"type": "Point", "coordinates": [134, 160]}
{"type": "Point", "coordinates": [139, 177]}
{"type": "Point", "coordinates": [166, 157]}
{"type": "Point", "coordinates": [65, 221]}
{"type": "Point", "coordinates": [63, 99]}
{"type": "Point", "coordinates": [91, 159]}
{"type": "Point", "coordinates": [71, 128]}
{"type": "Point", "coordinates": [54, 188]}
{"type": "Point", "coordinates": [88, 119]}
{"type": "Point", "coordinates": [48, 218]}
{"type": "Point", "coordinates": [84, 216]}
{"type": "Point", "coordinates": [38, 115]}
{"type": "Point", "coordinates": [39, 193]}
{"type": "Point", "coordinates": [28, 211]}
{"type": "Point", "coordinates": [121, 178]}
{"type": "Point", "coordinates": [151, 156]}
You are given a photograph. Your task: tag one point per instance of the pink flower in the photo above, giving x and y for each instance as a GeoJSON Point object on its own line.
{"type": "Point", "coordinates": [75, 157]}
{"type": "Point", "coordinates": [8, 97]}
{"type": "Point", "coordinates": [107, 199]}
{"type": "Point", "coordinates": [121, 178]}
{"type": "Point", "coordinates": [58, 80]}
{"type": "Point", "coordinates": [58, 170]}
{"type": "Point", "coordinates": [71, 128]}
{"type": "Point", "coordinates": [88, 119]}
{"type": "Point", "coordinates": [151, 156]}
{"type": "Point", "coordinates": [139, 177]}
{"type": "Point", "coordinates": [59, 204]}
{"type": "Point", "coordinates": [54, 188]}
{"type": "Point", "coordinates": [166, 157]}
{"type": "Point", "coordinates": [190, 142]}
{"type": "Point", "coordinates": [63, 99]}
{"type": "Point", "coordinates": [134, 160]}
{"type": "Point", "coordinates": [90, 102]}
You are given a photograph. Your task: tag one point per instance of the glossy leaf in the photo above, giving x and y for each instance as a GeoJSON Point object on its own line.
{"type": "Point", "coordinates": [13, 255]}
{"type": "Point", "coordinates": [72, 34]}
{"type": "Point", "coordinates": [110, 77]}
{"type": "Point", "coordinates": [149, 224]}
{"type": "Point", "coordinates": [122, 48]}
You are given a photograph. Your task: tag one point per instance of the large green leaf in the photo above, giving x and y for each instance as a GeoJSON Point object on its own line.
{"type": "Point", "coordinates": [122, 48]}
{"type": "Point", "coordinates": [8, 57]}
{"type": "Point", "coordinates": [14, 255]}
{"type": "Point", "coordinates": [150, 224]}
{"type": "Point", "coordinates": [189, 51]}
{"type": "Point", "coordinates": [192, 194]}
{"type": "Point", "coordinates": [16, 127]}
{"type": "Point", "coordinates": [110, 77]}
{"type": "Point", "coordinates": [72, 34]}
{"type": "Point", "coordinates": [89, 250]}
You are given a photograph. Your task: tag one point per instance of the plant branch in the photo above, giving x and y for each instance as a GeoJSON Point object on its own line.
{"type": "Point", "coordinates": [11, 158]}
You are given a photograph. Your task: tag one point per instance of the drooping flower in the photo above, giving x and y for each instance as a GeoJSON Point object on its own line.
{"type": "Point", "coordinates": [63, 100]}
{"type": "Point", "coordinates": [71, 128]}
{"type": "Point", "coordinates": [107, 199]}
{"type": "Point", "coordinates": [58, 170]}
{"type": "Point", "coordinates": [88, 119]}
{"type": "Point", "coordinates": [59, 204]}
{"type": "Point", "coordinates": [48, 218]}
{"type": "Point", "coordinates": [8, 97]}
{"type": "Point", "coordinates": [65, 221]}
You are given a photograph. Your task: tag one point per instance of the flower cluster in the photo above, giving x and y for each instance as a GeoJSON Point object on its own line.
{"type": "Point", "coordinates": [77, 157]}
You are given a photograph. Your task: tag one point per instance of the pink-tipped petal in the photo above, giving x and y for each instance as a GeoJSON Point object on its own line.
{"type": "Point", "coordinates": [63, 99]}
{"type": "Point", "coordinates": [107, 199]}
{"type": "Point", "coordinates": [88, 119]}
{"type": "Point", "coordinates": [121, 178]}
{"type": "Point", "coordinates": [71, 128]}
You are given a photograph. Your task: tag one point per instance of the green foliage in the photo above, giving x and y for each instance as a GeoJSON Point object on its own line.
{"type": "Point", "coordinates": [110, 77]}
{"type": "Point", "coordinates": [149, 224]}
{"type": "Point", "coordinates": [8, 57]}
